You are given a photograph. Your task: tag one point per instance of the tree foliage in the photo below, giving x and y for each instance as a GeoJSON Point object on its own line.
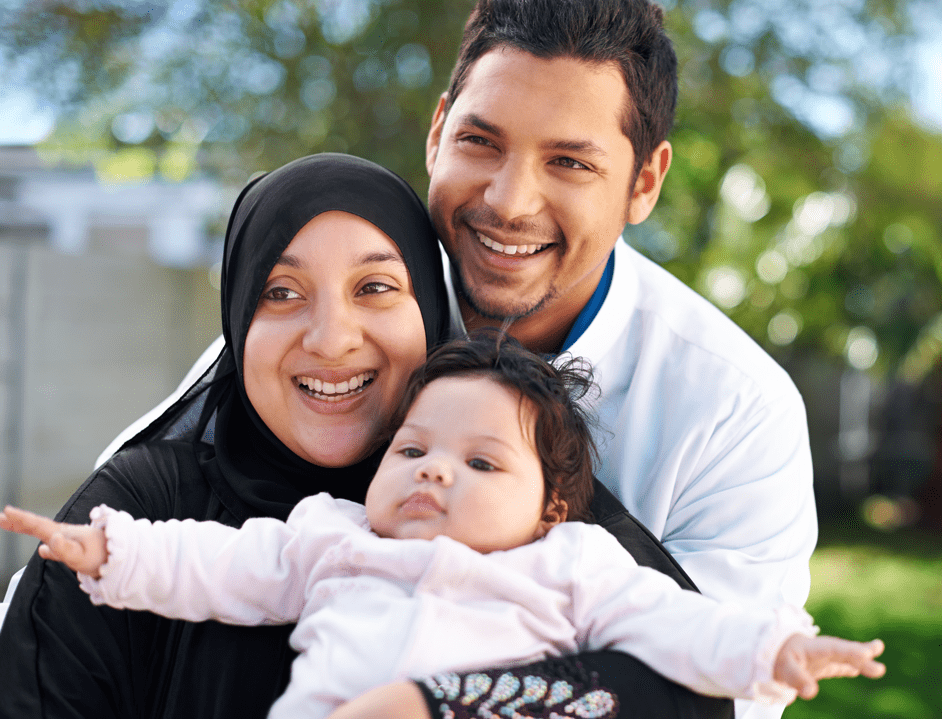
{"type": "Point", "coordinates": [803, 198]}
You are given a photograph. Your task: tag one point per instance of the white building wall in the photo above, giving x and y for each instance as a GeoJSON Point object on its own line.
{"type": "Point", "coordinates": [115, 314]}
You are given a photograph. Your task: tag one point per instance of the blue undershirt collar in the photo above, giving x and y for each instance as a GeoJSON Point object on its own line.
{"type": "Point", "coordinates": [593, 306]}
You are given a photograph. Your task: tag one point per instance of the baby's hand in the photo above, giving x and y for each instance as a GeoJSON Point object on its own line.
{"type": "Point", "coordinates": [80, 546]}
{"type": "Point", "coordinates": [802, 661]}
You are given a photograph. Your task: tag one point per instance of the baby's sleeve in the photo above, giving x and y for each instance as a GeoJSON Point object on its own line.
{"type": "Point", "coordinates": [718, 649]}
{"type": "Point", "coordinates": [184, 569]}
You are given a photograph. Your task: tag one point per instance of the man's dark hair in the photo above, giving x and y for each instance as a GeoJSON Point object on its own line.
{"type": "Point", "coordinates": [627, 32]}
{"type": "Point", "coordinates": [563, 442]}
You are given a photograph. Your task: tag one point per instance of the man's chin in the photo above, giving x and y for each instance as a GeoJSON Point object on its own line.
{"type": "Point", "coordinates": [500, 305]}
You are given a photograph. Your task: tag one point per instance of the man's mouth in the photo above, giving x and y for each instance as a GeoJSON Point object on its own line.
{"type": "Point", "coordinates": [509, 250]}
{"type": "Point", "coordinates": [336, 391]}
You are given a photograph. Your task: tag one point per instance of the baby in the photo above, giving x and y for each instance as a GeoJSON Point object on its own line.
{"type": "Point", "coordinates": [465, 555]}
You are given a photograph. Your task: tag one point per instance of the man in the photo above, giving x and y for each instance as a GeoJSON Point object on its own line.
{"type": "Point", "coordinates": [550, 137]}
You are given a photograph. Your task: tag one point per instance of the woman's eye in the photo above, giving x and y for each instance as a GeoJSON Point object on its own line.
{"type": "Point", "coordinates": [482, 465]}
{"type": "Point", "coordinates": [280, 294]}
{"type": "Point", "coordinates": [412, 452]}
{"type": "Point", "coordinates": [375, 288]}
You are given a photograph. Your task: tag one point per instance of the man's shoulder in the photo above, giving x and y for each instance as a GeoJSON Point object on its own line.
{"type": "Point", "coordinates": [650, 316]}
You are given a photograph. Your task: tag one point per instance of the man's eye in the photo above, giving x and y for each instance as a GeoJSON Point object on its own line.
{"type": "Point", "coordinates": [412, 452]}
{"type": "Point", "coordinates": [481, 465]}
{"type": "Point", "coordinates": [475, 140]}
{"type": "Point", "coordinates": [571, 164]}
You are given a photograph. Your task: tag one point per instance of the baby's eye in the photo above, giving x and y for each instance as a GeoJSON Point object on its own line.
{"type": "Point", "coordinates": [482, 465]}
{"type": "Point", "coordinates": [411, 452]}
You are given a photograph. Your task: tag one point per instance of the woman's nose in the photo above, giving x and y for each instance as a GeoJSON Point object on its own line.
{"type": "Point", "coordinates": [333, 329]}
{"type": "Point", "coordinates": [513, 191]}
{"type": "Point", "coordinates": [434, 469]}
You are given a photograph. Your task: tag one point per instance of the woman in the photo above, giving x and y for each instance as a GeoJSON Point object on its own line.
{"type": "Point", "coordinates": [328, 303]}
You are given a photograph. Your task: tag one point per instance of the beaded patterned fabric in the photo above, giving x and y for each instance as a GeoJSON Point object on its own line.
{"type": "Point", "coordinates": [527, 693]}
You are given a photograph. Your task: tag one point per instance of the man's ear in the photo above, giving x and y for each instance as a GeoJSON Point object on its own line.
{"type": "Point", "coordinates": [555, 513]}
{"type": "Point", "coordinates": [435, 133]}
{"type": "Point", "coordinates": [648, 185]}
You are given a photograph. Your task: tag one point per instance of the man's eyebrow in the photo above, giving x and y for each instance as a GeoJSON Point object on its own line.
{"type": "Point", "coordinates": [479, 122]}
{"type": "Point", "coordinates": [581, 147]}
{"type": "Point", "coordinates": [578, 147]}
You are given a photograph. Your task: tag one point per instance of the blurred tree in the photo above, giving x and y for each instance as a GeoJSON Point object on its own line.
{"type": "Point", "coordinates": [804, 199]}
{"type": "Point", "coordinates": [234, 86]}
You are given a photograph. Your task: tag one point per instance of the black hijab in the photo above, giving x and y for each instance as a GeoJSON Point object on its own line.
{"type": "Point", "coordinates": [257, 474]}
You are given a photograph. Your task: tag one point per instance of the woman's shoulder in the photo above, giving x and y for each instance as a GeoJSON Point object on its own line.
{"type": "Point", "coordinates": [155, 480]}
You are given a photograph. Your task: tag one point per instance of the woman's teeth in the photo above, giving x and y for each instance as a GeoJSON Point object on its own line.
{"type": "Point", "coordinates": [509, 249]}
{"type": "Point", "coordinates": [334, 391]}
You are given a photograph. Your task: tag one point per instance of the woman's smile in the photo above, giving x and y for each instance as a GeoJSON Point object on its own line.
{"type": "Point", "coordinates": [335, 391]}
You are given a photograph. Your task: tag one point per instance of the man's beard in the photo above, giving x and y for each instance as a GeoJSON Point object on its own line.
{"type": "Point", "coordinates": [493, 311]}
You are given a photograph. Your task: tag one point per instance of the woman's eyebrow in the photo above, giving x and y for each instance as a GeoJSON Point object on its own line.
{"type": "Point", "coordinates": [371, 258]}
{"type": "Point", "coordinates": [289, 260]}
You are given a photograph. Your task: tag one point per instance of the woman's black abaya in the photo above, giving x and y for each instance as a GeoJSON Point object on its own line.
{"type": "Point", "coordinates": [209, 456]}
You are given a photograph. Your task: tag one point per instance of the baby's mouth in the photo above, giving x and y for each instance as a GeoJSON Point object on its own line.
{"type": "Point", "coordinates": [336, 391]}
{"type": "Point", "coordinates": [422, 502]}
{"type": "Point", "coordinates": [509, 250]}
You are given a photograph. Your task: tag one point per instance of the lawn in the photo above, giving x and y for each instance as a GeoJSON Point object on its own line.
{"type": "Point", "coordinates": [866, 584]}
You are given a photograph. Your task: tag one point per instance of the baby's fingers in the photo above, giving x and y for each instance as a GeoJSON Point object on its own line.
{"type": "Point", "coordinates": [831, 654]}
{"type": "Point", "coordinates": [81, 552]}
{"type": "Point", "coordinates": [870, 668]}
{"type": "Point", "coordinates": [67, 550]}
{"type": "Point", "coordinates": [794, 674]}
{"type": "Point", "coordinates": [23, 522]}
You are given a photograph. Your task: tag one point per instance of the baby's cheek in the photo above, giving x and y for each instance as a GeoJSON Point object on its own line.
{"type": "Point", "coordinates": [376, 516]}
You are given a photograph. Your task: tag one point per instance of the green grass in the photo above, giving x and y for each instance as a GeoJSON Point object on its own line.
{"type": "Point", "coordinates": [867, 584]}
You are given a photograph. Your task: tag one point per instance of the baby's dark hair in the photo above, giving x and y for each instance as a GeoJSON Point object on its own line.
{"type": "Point", "coordinates": [564, 444]}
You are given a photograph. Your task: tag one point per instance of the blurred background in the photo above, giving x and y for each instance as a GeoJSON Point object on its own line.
{"type": "Point", "coordinates": [805, 200]}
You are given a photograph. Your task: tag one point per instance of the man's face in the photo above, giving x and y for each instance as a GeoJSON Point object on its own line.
{"type": "Point", "coordinates": [531, 183]}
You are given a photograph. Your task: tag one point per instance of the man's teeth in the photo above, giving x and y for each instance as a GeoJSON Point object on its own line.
{"type": "Point", "coordinates": [508, 249]}
{"type": "Point", "coordinates": [333, 391]}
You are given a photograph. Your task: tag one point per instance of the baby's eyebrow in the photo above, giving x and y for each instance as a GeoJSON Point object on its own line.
{"type": "Point", "coordinates": [496, 440]}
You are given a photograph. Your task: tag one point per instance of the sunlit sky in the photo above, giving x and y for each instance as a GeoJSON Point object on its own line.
{"type": "Point", "coordinates": [25, 120]}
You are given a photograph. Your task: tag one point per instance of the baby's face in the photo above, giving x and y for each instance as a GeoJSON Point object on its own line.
{"type": "Point", "coordinates": [463, 464]}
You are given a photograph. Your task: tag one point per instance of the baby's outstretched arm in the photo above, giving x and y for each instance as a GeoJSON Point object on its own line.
{"type": "Point", "coordinates": [803, 660]}
{"type": "Point", "coordinates": [79, 546]}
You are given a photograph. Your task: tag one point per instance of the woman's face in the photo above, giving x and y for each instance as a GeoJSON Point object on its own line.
{"type": "Point", "coordinates": [336, 333]}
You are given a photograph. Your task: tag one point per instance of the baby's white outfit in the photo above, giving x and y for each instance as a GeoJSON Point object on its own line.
{"type": "Point", "coordinates": [370, 610]}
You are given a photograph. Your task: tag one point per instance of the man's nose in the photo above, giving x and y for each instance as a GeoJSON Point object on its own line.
{"type": "Point", "coordinates": [514, 190]}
